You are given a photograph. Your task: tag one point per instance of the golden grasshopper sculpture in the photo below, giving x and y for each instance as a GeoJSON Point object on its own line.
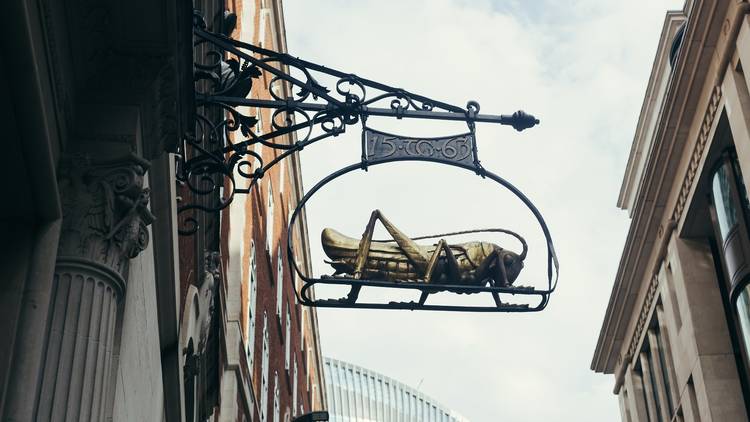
{"type": "Point", "coordinates": [404, 260]}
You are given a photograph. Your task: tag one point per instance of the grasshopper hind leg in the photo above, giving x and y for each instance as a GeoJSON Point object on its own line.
{"type": "Point", "coordinates": [434, 272]}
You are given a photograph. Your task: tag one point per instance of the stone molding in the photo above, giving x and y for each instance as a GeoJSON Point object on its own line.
{"type": "Point", "coordinates": [685, 189]}
{"type": "Point", "coordinates": [697, 155]}
{"type": "Point", "coordinates": [643, 317]}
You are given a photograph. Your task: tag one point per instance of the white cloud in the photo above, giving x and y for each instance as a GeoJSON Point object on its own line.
{"type": "Point", "coordinates": [581, 68]}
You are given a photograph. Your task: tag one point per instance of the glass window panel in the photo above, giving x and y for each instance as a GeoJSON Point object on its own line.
{"type": "Point", "coordinates": [251, 308]}
{"type": "Point", "coordinates": [743, 312]}
{"type": "Point", "coordinates": [279, 282]}
{"type": "Point", "coordinates": [264, 372]}
{"type": "Point", "coordinates": [400, 403]}
{"type": "Point", "coordinates": [726, 209]}
{"type": "Point", "coordinates": [294, 386]}
{"type": "Point", "coordinates": [741, 184]}
{"type": "Point", "coordinates": [371, 396]}
{"type": "Point", "coordinates": [269, 219]}
{"type": "Point", "coordinates": [650, 382]}
{"type": "Point", "coordinates": [287, 339]}
{"type": "Point", "coordinates": [363, 400]}
{"type": "Point", "coordinates": [344, 394]}
{"type": "Point", "coordinates": [664, 368]}
{"type": "Point", "coordinates": [387, 393]}
{"type": "Point", "coordinates": [352, 394]}
{"type": "Point", "coordinates": [276, 404]}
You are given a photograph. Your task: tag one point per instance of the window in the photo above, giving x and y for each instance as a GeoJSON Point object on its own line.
{"type": "Point", "coordinates": [375, 399]}
{"type": "Point", "coordinates": [729, 213]}
{"type": "Point", "coordinates": [287, 339]}
{"type": "Point", "coordinates": [724, 199]}
{"type": "Point", "coordinates": [303, 311]}
{"type": "Point", "coordinates": [251, 308]}
{"type": "Point", "coordinates": [295, 279]}
{"type": "Point", "coordinates": [269, 219]}
{"type": "Point", "coordinates": [276, 404]}
{"type": "Point", "coordinates": [279, 282]}
{"type": "Point", "coordinates": [387, 395]}
{"type": "Point", "coordinates": [400, 405]}
{"type": "Point", "coordinates": [257, 147]}
{"type": "Point", "coordinates": [264, 372]}
{"type": "Point", "coordinates": [294, 386]}
{"type": "Point", "coordinates": [654, 369]}
{"type": "Point", "coordinates": [259, 123]}
{"type": "Point", "coordinates": [309, 372]}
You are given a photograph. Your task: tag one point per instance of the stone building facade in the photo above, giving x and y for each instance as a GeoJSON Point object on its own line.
{"type": "Point", "coordinates": [106, 313]}
{"type": "Point", "coordinates": [677, 327]}
{"type": "Point", "coordinates": [89, 279]}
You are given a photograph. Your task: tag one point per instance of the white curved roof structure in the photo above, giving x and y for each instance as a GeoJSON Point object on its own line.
{"type": "Point", "coordinates": [357, 394]}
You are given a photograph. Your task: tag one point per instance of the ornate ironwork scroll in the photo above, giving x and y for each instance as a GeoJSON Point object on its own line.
{"type": "Point", "coordinates": [308, 102]}
{"type": "Point", "coordinates": [305, 102]}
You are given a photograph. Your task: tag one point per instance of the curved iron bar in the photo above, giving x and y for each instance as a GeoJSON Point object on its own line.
{"type": "Point", "coordinates": [309, 281]}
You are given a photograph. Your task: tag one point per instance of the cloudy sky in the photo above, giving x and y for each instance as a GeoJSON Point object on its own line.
{"type": "Point", "coordinates": [581, 67]}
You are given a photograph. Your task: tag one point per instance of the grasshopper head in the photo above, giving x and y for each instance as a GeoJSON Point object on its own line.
{"type": "Point", "coordinates": [513, 265]}
{"type": "Point", "coordinates": [512, 262]}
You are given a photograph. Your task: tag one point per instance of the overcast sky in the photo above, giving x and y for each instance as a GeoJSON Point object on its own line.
{"type": "Point", "coordinates": [581, 67]}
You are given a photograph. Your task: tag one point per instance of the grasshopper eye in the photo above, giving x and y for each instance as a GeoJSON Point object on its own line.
{"type": "Point", "coordinates": [508, 260]}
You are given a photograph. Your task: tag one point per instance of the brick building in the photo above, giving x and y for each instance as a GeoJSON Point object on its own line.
{"type": "Point", "coordinates": [279, 336]}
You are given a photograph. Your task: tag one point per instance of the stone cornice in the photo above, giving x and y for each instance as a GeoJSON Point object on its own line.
{"type": "Point", "coordinates": [698, 150]}
{"type": "Point", "coordinates": [677, 211]}
{"type": "Point", "coordinates": [649, 109]}
{"type": "Point", "coordinates": [649, 210]}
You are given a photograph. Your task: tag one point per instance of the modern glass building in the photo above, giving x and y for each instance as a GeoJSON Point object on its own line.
{"type": "Point", "coordinates": [357, 394]}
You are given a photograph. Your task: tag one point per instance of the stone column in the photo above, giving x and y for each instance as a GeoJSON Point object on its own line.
{"type": "Point", "coordinates": [105, 214]}
{"type": "Point", "coordinates": [636, 394]}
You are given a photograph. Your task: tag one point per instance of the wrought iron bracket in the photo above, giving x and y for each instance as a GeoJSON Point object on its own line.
{"type": "Point", "coordinates": [227, 122]}
{"type": "Point", "coordinates": [235, 81]}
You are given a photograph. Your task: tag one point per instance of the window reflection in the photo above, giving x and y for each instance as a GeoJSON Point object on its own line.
{"type": "Point", "coordinates": [743, 312]}
{"type": "Point", "coordinates": [730, 212]}
{"type": "Point", "coordinates": [726, 211]}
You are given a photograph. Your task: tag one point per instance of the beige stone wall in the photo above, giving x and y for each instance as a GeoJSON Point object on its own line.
{"type": "Point", "coordinates": [690, 369]}
{"type": "Point", "coordinates": [673, 358]}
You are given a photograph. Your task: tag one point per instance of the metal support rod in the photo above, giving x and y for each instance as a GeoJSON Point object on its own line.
{"type": "Point", "coordinates": [503, 119]}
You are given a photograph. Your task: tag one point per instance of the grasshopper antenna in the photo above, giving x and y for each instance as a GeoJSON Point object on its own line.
{"type": "Point", "coordinates": [522, 256]}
